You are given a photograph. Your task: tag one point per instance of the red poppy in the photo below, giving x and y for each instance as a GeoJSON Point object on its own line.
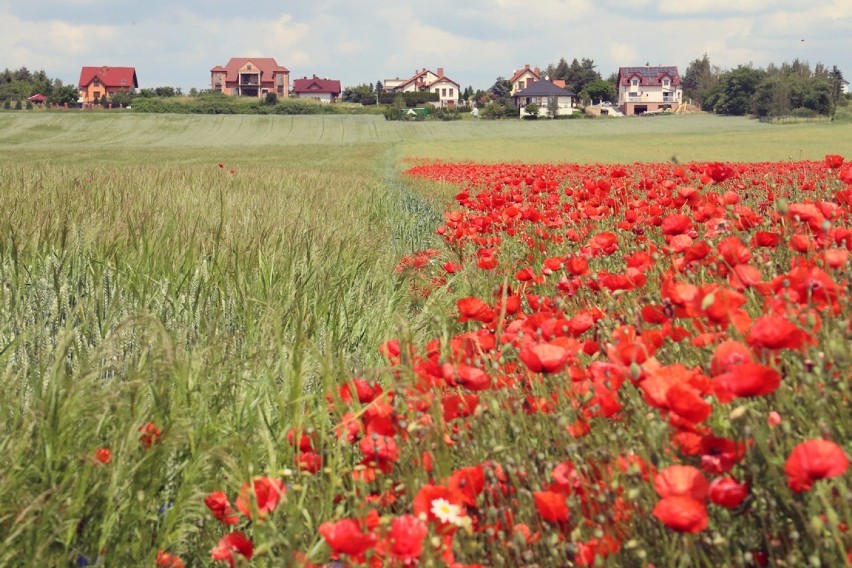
{"type": "Point", "coordinates": [681, 480]}
{"type": "Point", "coordinates": [727, 492]}
{"type": "Point", "coordinates": [551, 506]}
{"type": "Point", "coordinates": [262, 492]}
{"type": "Point", "coordinates": [379, 448]}
{"type": "Point", "coordinates": [833, 161]}
{"type": "Point", "coordinates": [103, 455]}
{"type": "Point", "coordinates": [167, 560]}
{"type": "Point", "coordinates": [149, 434]}
{"type": "Point", "coordinates": [544, 357]}
{"type": "Point", "coordinates": [469, 483]}
{"type": "Point", "coordinates": [219, 505]}
{"type": "Point", "coordinates": [676, 224]}
{"type": "Point", "coordinates": [473, 308]}
{"type": "Point", "coordinates": [728, 355]}
{"type": "Point", "coordinates": [231, 543]}
{"type": "Point", "coordinates": [777, 332]}
{"type": "Point", "coordinates": [346, 537]}
{"type": "Point", "coordinates": [407, 534]}
{"type": "Point", "coordinates": [747, 379]}
{"type": "Point", "coordinates": [682, 514]}
{"type": "Point", "coordinates": [813, 460]}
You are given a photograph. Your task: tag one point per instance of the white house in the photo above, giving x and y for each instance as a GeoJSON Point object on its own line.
{"type": "Point", "coordinates": [646, 89]}
{"type": "Point", "coordinates": [425, 80]}
{"type": "Point", "coordinates": [523, 78]}
{"type": "Point", "coordinates": [324, 90]}
{"type": "Point", "coordinates": [542, 93]}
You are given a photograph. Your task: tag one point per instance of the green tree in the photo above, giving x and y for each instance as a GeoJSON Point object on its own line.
{"type": "Point", "coordinates": [737, 89]}
{"type": "Point", "coordinates": [67, 94]}
{"type": "Point", "coordinates": [560, 71]}
{"type": "Point", "coordinates": [501, 89]}
{"type": "Point", "coordinates": [552, 107]}
{"type": "Point", "coordinates": [598, 90]}
{"type": "Point", "coordinates": [493, 111]}
{"type": "Point", "coordinates": [531, 111]}
{"type": "Point", "coordinates": [581, 73]}
{"type": "Point", "coordinates": [699, 80]}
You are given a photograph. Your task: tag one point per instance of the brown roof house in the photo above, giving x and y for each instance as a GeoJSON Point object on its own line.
{"type": "Point", "coordinates": [426, 80]}
{"type": "Point", "coordinates": [648, 89]}
{"type": "Point", "coordinates": [98, 84]}
{"type": "Point", "coordinates": [325, 90]}
{"type": "Point", "coordinates": [251, 77]}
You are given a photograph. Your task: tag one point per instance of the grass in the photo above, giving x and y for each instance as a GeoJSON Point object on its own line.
{"type": "Point", "coordinates": [143, 283]}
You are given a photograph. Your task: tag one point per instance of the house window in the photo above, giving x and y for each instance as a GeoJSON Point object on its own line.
{"type": "Point", "coordinates": [451, 93]}
{"type": "Point", "coordinates": [633, 94]}
{"type": "Point", "coordinates": [666, 83]}
{"type": "Point", "coordinates": [520, 85]}
{"type": "Point", "coordinates": [634, 82]}
{"type": "Point", "coordinates": [96, 83]}
{"type": "Point", "coordinates": [444, 92]}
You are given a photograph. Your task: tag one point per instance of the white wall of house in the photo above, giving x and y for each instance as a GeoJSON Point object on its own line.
{"type": "Point", "coordinates": [654, 94]}
{"type": "Point", "coordinates": [565, 104]}
{"type": "Point", "coordinates": [322, 97]}
{"type": "Point", "coordinates": [448, 92]}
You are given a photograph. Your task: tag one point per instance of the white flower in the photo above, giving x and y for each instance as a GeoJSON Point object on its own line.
{"type": "Point", "coordinates": [446, 512]}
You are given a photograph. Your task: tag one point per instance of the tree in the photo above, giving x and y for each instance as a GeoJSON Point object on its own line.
{"type": "Point", "coordinates": [65, 95]}
{"type": "Point", "coordinates": [560, 71]}
{"type": "Point", "coordinates": [581, 73]}
{"type": "Point", "coordinates": [493, 111]}
{"type": "Point", "coordinates": [380, 87]}
{"type": "Point", "coordinates": [271, 99]}
{"type": "Point", "coordinates": [531, 111]}
{"type": "Point", "coordinates": [552, 106]}
{"type": "Point", "coordinates": [700, 79]}
{"type": "Point", "coordinates": [501, 89]}
{"type": "Point", "coordinates": [599, 90]}
{"type": "Point", "coordinates": [836, 78]}
{"type": "Point", "coordinates": [737, 89]}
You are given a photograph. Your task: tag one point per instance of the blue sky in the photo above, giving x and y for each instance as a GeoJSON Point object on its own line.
{"type": "Point", "coordinates": [177, 42]}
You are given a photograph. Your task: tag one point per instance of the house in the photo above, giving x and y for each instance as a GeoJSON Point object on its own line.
{"type": "Point", "coordinates": [844, 87]}
{"type": "Point", "coordinates": [251, 77]}
{"type": "Point", "coordinates": [100, 83]}
{"type": "Point", "coordinates": [425, 80]}
{"type": "Point", "coordinates": [524, 78]}
{"type": "Point", "coordinates": [325, 90]}
{"type": "Point", "coordinates": [648, 89]}
{"type": "Point", "coordinates": [543, 93]}
{"type": "Point", "coordinates": [38, 99]}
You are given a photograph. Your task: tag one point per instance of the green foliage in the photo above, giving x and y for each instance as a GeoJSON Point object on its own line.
{"type": "Point", "coordinates": [736, 90]}
{"type": "Point", "coordinates": [270, 99]}
{"type": "Point", "coordinates": [18, 105]}
{"type": "Point", "coordinates": [355, 94]}
{"type": "Point", "coordinates": [501, 89]}
{"type": "Point", "coordinates": [531, 111]}
{"type": "Point", "coordinates": [598, 90]}
{"type": "Point", "coordinates": [699, 80]}
{"type": "Point", "coordinates": [67, 94]}
{"type": "Point", "coordinates": [493, 111]}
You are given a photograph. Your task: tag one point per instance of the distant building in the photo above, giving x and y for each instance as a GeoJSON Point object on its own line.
{"type": "Point", "coordinates": [325, 90]}
{"type": "Point", "coordinates": [100, 83]}
{"type": "Point", "coordinates": [648, 89]}
{"type": "Point", "coordinates": [425, 80]}
{"type": "Point", "coordinates": [541, 93]}
{"type": "Point", "coordinates": [524, 78]}
{"type": "Point", "coordinates": [251, 77]}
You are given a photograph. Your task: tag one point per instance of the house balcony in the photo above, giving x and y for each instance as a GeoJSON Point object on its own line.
{"type": "Point", "coordinates": [633, 99]}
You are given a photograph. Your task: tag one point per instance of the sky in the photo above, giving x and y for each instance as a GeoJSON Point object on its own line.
{"type": "Point", "coordinates": [176, 42]}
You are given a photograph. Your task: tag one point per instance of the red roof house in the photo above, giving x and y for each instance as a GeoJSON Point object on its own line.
{"type": "Point", "coordinates": [38, 99]}
{"type": "Point", "coordinates": [99, 83]}
{"type": "Point", "coordinates": [251, 77]}
{"type": "Point", "coordinates": [326, 90]}
{"type": "Point", "coordinates": [649, 89]}
{"type": "Point", "coordinates": [448, 91]}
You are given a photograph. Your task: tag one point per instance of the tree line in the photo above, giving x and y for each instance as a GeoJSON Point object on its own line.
{"type": "Point", "coordinates": [789, 89]}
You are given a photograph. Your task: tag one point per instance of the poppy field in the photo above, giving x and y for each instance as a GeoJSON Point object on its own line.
{"type": "Point", "coordinates": [225, 363]}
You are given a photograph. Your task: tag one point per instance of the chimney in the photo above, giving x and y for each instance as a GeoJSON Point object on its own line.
{"type": "Point", "coordinates": [536, 70]}
{"type": "Point", "coordinates": [527, 66]}
{"type": "Point", "coordinates": [440, 71]}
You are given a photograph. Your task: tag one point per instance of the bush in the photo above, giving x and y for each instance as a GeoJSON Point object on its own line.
{"type": "Point", "coordinates": [531, 112]}
{"type": "Point", "coordinates": [493, 111]}
{"type": "Point", "coordinates": [18, 105]}
{"type": "Point", "coordinates": [802, 112]}
{"type": "Point", "coordinates": [271, 99]}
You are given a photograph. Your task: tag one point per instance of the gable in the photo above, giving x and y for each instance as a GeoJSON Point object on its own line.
{"type": "Point", "coordinates": [109, 77]}
{"type": "Point", "coordinates": [648, 76]}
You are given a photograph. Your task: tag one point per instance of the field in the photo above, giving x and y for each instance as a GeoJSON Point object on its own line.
{"type": "Point", "coordinates": [260, 337]}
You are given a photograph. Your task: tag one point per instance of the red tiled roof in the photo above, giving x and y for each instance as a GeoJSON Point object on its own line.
{"type": "Point", "coordinates": [267, 66]}
{"type": "Point", "coordinates": [109, 76]}
{"type": "Point", "coordinates": [419, 79]}
{"type": "Point", "coordinates": [37, 98]}
{"type": "Point", "coordinates": [316, 85]}
{"type": "Point", "coordinates": [648, 75]}
{"type": "Point", "coordinates": [526, 68]}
